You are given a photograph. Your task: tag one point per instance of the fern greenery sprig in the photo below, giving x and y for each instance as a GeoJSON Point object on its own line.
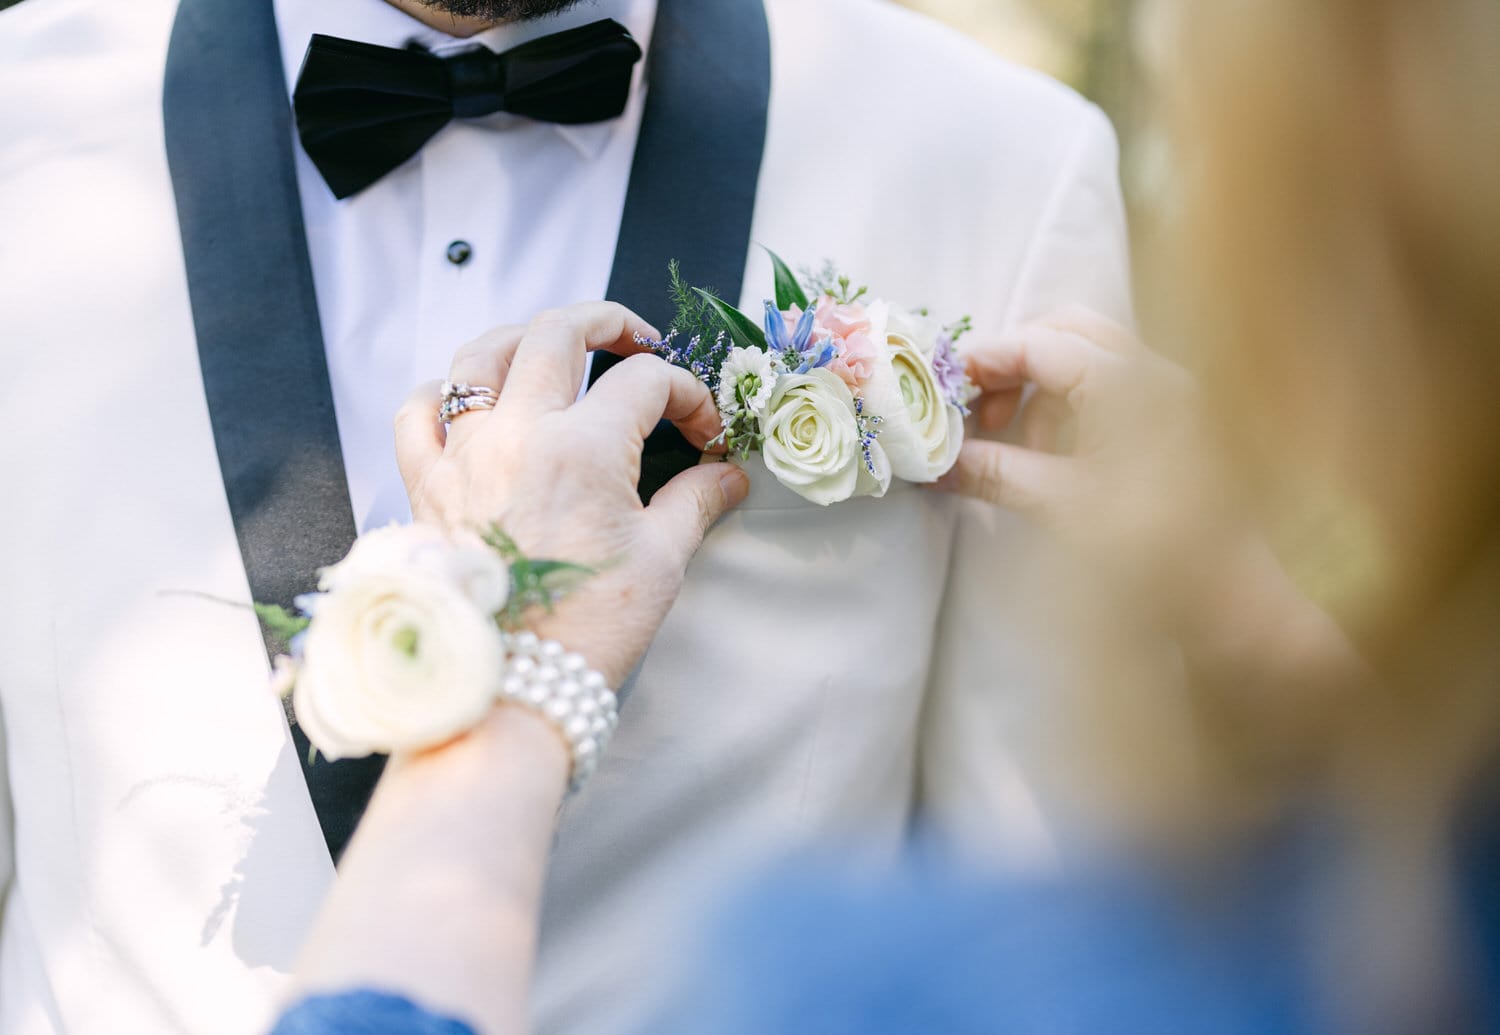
{"type": "Point", "coordinates": [703, 329]}
{"type": "Point", "coordinates": [693, 314]}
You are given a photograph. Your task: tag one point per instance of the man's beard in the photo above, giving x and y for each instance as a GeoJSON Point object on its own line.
{"type": "Point", "coordinates": [501, 10]}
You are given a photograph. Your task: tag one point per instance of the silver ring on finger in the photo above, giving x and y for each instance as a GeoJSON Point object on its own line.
{"type": "Point", "coordinates": [456, 408]}
{"type": "Point", "coordinates": [459, 398]}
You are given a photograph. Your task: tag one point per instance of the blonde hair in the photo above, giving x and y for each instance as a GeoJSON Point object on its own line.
{"type": "Point", "coordinates": [1333, 264]}
{"type": "Point", "coordinates": [1340, 242]}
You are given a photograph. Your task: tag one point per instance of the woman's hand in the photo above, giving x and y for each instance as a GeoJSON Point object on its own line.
{"type": "Point", "coordinates": [1119, 462]}
{"type": "Point", "coordinates": [1114, 457]}
{"type": "Point", "coordinates": [559, 473]}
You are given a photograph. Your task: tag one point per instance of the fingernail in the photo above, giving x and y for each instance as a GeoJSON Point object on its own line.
{"type": "Point", "coordinates": [735, 484]}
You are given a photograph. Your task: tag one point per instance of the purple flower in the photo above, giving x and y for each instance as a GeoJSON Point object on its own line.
{"type": "Point", "coordinates": [952, 379]}
{"type": "Point", "coordinates": [701, 359]}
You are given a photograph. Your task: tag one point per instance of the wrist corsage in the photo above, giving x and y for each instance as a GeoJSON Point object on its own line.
{"type": "Point", "coordinates": [413, 638]}
{"type": "Point", "coordinates": [840, 392]}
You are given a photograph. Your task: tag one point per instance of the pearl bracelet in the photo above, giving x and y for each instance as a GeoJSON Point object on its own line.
{"type": "Point", "coordinates": [543, 676]}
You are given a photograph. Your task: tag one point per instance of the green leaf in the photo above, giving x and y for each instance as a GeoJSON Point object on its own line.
{"type": "Point", "coordinates": [543, 571]}
{"type": "Point", "coordinates": [788, 289]}
{"type": "Point", "coordinates": [503, 544]}
{"type": "Point", "coordinates": [743, 331]}
{"type": "Point", "coordinates": [281, 623]}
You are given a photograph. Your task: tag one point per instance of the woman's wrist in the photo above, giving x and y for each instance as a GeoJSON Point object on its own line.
{"type": "Point", "coordinates": [454, 849]}
{"type": "Point", "coordinates": [525, 746]}
{"type": "Point", "coordinates": [558, 684]}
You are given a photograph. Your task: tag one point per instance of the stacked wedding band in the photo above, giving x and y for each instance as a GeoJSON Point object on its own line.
{"type": "Point", "coordinates": [543, 676]}
{"type": "Point", "coordinates": [460, 398]}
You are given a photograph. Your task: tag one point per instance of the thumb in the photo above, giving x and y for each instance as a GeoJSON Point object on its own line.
{"type": "Point", "coordinates": [1007, 475]}
{"type": "Point", "coordinates": [687, 506]}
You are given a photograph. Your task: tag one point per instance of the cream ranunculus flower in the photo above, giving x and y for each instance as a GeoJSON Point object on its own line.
{"type": "Point", "coordinates": [403, 651]}
{"type": "Point", "coordinates": [921, 332]}
{"type": "Point", "coordinates": [811, 437]}
{"type": "Point", "coordinates": [460, 556]}
{"type": "Point", "coordinates": [920, 432]}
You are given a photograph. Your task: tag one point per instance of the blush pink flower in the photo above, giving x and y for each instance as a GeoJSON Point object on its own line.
{"type": "Point", "coordinates": [842, 321]}
{"type": "Point", "coordinates": [855, 363]}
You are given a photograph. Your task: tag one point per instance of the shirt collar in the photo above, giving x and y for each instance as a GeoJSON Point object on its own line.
{"type": "Point", "coordinates": [377, 22]}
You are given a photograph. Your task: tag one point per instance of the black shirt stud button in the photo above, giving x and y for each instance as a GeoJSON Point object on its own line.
{"type": "Point", "coordinates": [459, 252]}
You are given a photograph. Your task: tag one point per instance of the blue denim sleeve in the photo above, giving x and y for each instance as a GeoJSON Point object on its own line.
{"type": "Point", "coordinates": [816, 952]}
{"type": "Point", "coordinates": [365, 1013]}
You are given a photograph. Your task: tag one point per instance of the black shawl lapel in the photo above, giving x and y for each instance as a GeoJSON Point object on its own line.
{"type": "Point", "coordinates": [692, 190]}
{"type": "Point", "coordinates": [230, 148]}
{"type": "Point", "coordinates": [229, 144]}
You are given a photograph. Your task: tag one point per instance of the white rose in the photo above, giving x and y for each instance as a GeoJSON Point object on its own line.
{"type": "Point", "coordinates": [395, 661]}
{"type": "Point", "coordinates": [458, 556]}
{"type": "Point", "coordinates": [920, 432]}
{"type": "Point", "coordinates": [811, 437]}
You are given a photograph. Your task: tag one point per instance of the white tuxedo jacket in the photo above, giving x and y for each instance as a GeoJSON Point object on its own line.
{"type": "Point", "coordinates": [164, 861]}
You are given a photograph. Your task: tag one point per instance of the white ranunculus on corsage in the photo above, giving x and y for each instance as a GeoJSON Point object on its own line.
{"type": "Point", "coordinates": [921, 429]}
{"type": "Point", "coordinates": [919, 329]}
{"type": "Point", "coordinates": [413, 638]}
{"type": "Point", "coordinates": [838, 391]}
{"type": "Point", "coordinates": [460, 557]}
{"type": "Point", "coordinates": [395, 661]}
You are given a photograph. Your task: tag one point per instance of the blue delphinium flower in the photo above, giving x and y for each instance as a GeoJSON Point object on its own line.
{"type": "Point", "coordinates": [799, 353]}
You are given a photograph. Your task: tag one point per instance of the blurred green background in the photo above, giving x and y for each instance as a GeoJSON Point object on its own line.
{"type": "Point", "coordinates": [1086, 43]}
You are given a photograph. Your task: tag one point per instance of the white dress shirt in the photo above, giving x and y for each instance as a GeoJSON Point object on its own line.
{"type": "Point", "coordinates": [537, 205]}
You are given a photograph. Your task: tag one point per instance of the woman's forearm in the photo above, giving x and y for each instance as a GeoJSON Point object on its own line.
{"type": "Point", "coordinates": [438, 896]}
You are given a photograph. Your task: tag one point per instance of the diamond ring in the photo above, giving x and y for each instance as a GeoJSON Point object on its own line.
{"type": "Point", "coordinates": [459, 399]}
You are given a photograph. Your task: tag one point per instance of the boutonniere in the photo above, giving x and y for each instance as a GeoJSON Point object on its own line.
{"type": "Point", "coordinates": [839, 391]}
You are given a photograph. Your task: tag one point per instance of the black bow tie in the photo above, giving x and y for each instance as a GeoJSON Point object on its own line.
{"type": "Point", "coordinates": [362, 110]}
